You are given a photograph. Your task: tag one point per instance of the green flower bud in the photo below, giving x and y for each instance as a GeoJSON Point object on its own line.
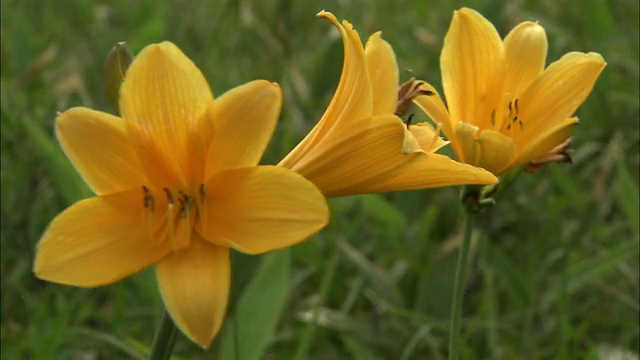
{"type": "Point", "coordinates": [118, 61]}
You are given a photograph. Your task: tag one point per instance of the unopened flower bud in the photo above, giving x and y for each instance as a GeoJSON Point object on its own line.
{"type": "Point", "coordinates": [118, 61]}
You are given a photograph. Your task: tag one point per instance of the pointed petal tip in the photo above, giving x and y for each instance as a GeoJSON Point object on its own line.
{"type": "Point", "coordinates": [327, 15]}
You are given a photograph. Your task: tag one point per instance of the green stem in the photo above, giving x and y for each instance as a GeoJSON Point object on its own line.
{"type": "Point", "coordinates": [164, 339]}
{"type": "Point", "coordinates": [461, 275]}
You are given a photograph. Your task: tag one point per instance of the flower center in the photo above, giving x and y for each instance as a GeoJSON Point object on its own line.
{"type": "Point", "coordinates": [509, 119]}
{"type": "Point", "coordinates": [171, 214]}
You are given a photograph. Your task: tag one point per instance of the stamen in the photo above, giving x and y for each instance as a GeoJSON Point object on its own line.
{"type": "Point", "coordinates": [149, 201]}
{"type": "Point", "coordinates": [171, 217]}
{"type": "Point", "coordinates": [204, 209]}
{"type": "Point", "coordinates": [436, 136]}
{"type": "Point", "coordinates": [493, 117]}
{"type": "Point", "coordinates": [409, 119]}
{"type": "Point", "coordinates": [169, 195]}
{"type": "Point", "coordinates": [203, 195]}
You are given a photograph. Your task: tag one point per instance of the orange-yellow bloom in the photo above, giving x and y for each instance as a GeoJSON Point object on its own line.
{"type": "Point", "coordinates": [504, 108]}
{"type": "Point", "coordinates": [177, 185]}
{"type": "Point", "coordinates": [359, 145]}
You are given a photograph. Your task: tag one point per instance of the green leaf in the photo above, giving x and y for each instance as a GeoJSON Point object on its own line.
{"type": "Point", "coordinates": [259, 309]}
{"type": "Point", "coordinates": [379, 280]}
{"type": "Point", "coordinates": [628, 198]}
{"type": "Point", "coordinates": [357, 350]}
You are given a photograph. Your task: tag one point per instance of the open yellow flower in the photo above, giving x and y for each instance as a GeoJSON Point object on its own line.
{"type": "Point", "coordinates": [504, 108]}
{"type": "Point", "coordinates": [360, 145]}
{"type": "Point", "coordinates": [177, 185]}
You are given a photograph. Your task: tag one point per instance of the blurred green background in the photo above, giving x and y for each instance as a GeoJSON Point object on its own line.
{"type": "Point", "coordinates": [554, 270]}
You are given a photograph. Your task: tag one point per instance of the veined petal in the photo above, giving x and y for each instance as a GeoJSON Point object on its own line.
{"type": "Point", "coordinates": [98, 241]}
{"type": "Point", "coordinates": [194, 283]}
{"type": "Point", "coordinates": [429, 140]}
{"type": "Point", "coordinates": [162, 100]}
{"type": "Point", "coordinates": [260, 209]}
{"type": "Point", "coordinates": [427, 171]}
{"type": "Point", "coordinates": [495, 152]}
{"type": "Point", "coordinates": [383, 73]}
{"type": "Point", "coordinates": [525, 53]}
{"type": "Point", "coordinates": [433, 106]}
{"type": "Point", "coordinates": [490, 149]}
{"type": "Point", "coordinates": [98, 146]}
{"type": "Point", "coordinates": [363, 152]}
{"type": "Point", "coordinates": [557, 93]}
{"type": "Point", "coordinates": [545, 142]}
{"type": "Point", "coordinates": [353, 99]}
{"type": "Point", "coordinates": [244, 119]}
{"type": "Point", "coordinates": [470, 56]}
{"type": "Point", "coordinates": [525, 50]}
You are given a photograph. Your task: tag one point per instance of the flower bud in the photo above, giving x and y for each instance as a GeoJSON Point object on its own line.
{"type": "Point", "coordinates": [118, 61]}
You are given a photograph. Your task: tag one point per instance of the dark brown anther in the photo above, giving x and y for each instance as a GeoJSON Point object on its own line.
{"type": "Point", "coordinates": [169, 195]}
{"type": "Point", "coordinates": [203, 195]}
{"type": "Point", "coordinates": [407, 91]}
{"type": "Point", "coordinates": [409, 119]}
{"type": "Point", "coordinates": [148, 200]}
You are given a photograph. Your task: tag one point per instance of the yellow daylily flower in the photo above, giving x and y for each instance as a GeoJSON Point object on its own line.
{"type": "Point", "coordinates": [177, 185]}
{"type": "Point", "coordinates": [504, 108]}
{"type": "Point", "coordinates": [359, 145]}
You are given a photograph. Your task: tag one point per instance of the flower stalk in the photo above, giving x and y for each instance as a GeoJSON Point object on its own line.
{"type": "Point", "coordinates": [461, 275]}
{"type": "Point", "coordinates": [164, 339]}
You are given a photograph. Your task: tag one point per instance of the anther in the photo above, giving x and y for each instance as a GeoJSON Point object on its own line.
{"type": "Point", "coordinates": [148, 200]}
{"type": "Point", "coordinates": [493, 117]}
{"type": "Point", "coordinates": [203, 195]}
{"type": "Point", "coordinates": [169, 195]}
{"type": "Point", "coordinates": [409, 119]}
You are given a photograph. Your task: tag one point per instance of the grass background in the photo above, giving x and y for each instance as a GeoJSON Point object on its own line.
{"type": "Point", "coordinates": [554, 270]}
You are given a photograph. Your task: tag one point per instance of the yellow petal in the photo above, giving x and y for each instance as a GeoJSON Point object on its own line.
{"type": "Point", "coordinates": [162, 101]}
{"type": "Point", "coordinates": [98, 146]}
{"type": "Point", "coordinates": [244, 119]}
{"type": "Point", "coordinates": [433, 106]}
{"type": "Point", "coordinates": [194, 283]}
{"type": "Point", "coordinates": [472, 50]}
{"type": "Point", "coordinates": [490, 150]}
{"type": "Point", "coordinates": [525, 53]}
{"type": "Point", "coordinates": [360, 153]}
{"type": "Point", "coordinates": [353, 98]}
{"type": "Point", "coordinates": [98, 241]}
{"type": "Point", "coordinates": [429, 139]}
{"type": "Point", "coordinates": [428, 171]}
{"type": "Point", "coordinates": [557, 93]}
{"type": "Point", "coordinates": [525, 49]}
{"type": "Point", "coordinates": [547, 141]}
{"type": "Point", "coordinates": [383, 73]}
{"type": "Point", "coordinates": [260, 209]}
